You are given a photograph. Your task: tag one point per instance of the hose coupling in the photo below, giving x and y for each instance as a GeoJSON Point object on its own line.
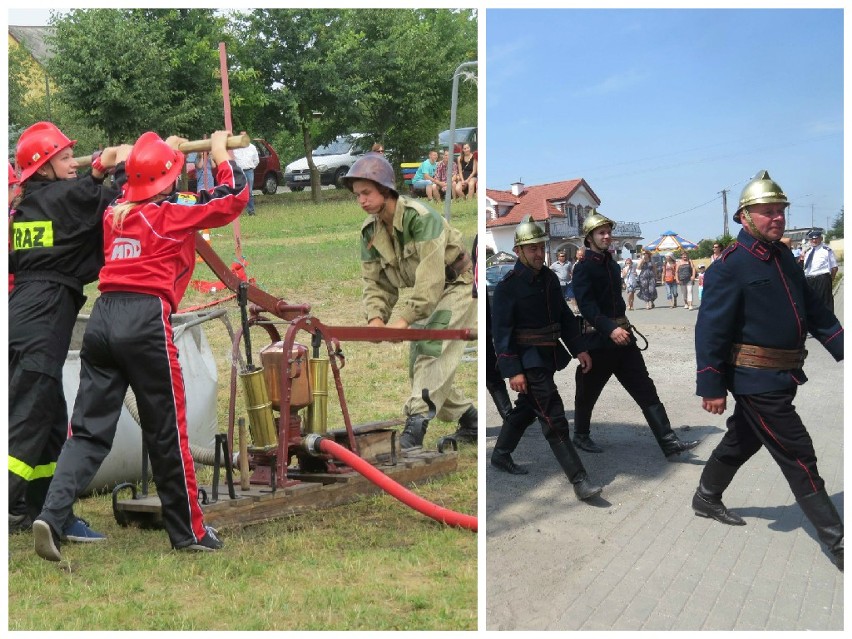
{"type": "Point", "coordinates": [311, 443]}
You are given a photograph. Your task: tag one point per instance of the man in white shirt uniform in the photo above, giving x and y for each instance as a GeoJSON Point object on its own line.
{"type": "Point", "coordinates": [820, 265]}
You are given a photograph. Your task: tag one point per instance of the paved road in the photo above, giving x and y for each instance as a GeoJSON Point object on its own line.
{"type": "Point", "coordinates": [637, 558]}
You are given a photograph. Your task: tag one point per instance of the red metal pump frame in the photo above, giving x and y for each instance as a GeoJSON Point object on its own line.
{"type": "Point", "coordinates": [299, 318]}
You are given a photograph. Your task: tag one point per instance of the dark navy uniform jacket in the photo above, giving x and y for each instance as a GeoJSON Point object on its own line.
{"type": "Point", "coordinates": [597, 288]}
{"type": "Point", "coordinates": [756, 294]}
{"type": "Point", "coordinates": [526, 299]}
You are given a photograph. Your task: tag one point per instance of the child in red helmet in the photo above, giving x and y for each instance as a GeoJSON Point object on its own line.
{"type": "Point", "coordinates": [149, 251]}
{"type": "Point", "coordinates": [55, 249]}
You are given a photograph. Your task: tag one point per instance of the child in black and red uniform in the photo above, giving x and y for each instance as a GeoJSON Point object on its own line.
{"type": "Point", "coordinates": [149, 248]}
{"type": "Point", "coordinates": [56, 247]}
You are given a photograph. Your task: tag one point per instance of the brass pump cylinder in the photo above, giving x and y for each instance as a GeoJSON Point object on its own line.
{"type": "Point", "coordinates": [317, 416]}
{"type": "Point", "coordinates": [262, 427]}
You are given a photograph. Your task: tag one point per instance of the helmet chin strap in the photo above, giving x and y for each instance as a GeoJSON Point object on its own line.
{"type": "Point", "coordinates": [590, 238]}
{"type": "Point", "coordinates": [523, 258]}
{"type": "Point", "coordinates": [751, 227]}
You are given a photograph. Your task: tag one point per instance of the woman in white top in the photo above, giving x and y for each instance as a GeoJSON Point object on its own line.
{"type": "Point", "coordinates": [631, 281]}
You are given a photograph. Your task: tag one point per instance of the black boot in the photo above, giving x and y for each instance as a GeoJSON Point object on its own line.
{"type": "Point", "coordinates": [510, 434]}
{"type": "Point", "coordinates": [584, 442]}
{"type": "Point", "coordinates": [662, 429]}
{"type": "Point", "coordinates": [821, 512]}
{"type": "Point", "coordinates": [707, 500]}
{"type": "Point", "coordinates": [501, 399]}
{"type": "Point", "coordinates": [467, 430]}
{"type": "Point", "coordinates": [414, 432]}
{"type": "Point", "coordinates": [573, 468]}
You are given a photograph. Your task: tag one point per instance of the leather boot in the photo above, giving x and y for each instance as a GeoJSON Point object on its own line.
{"type": "Point", "coordinates": [820, 510]}
{"type": "Point", "coordinates": [510, 434]}
{"type": "Point", "coordinates": [707, 500]}
{"type": "Point", "coordinates": [573, 468]}
{"type": "Point", "coordinates": [584, 442]}
{"type": "Point", "coordinates": [414, 432]}
{"type": "Point", "coordinates": [501, 399]}
{"type": "Point", "coordinates": [468, 430]}
{"type": "Point", "coordinates": [662, 429]}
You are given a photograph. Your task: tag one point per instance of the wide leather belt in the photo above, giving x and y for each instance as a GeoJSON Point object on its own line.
{"type": "Point", "coordinates": [622, 322]}
{"type": "Point", "coordinates": [544, 336]}
{"type": "Point", "coordinates": [751, 356]}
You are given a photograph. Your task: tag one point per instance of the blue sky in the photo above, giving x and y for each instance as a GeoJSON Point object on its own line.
{"type": "Point", "coordinates": [660, 110]}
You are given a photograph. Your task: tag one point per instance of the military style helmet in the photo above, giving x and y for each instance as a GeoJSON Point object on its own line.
{"type": "Point", "coordinates": [528, 232]}
{"type": "Point", "coordinates": [760, 190]}
{"type": "Point", "coordinates": [374, 167]}
{"type": "Point", "coordinates": [37, 145]}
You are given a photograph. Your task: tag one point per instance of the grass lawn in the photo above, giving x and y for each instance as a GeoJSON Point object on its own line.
{"type": "Point", "coordinates": [371, 565]}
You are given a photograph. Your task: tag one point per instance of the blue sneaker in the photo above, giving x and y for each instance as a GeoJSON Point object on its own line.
{"type": "Point", "coordinates": [80, 532]}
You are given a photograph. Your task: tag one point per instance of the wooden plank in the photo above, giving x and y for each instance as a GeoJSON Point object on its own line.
{"type": "Point", "coordinates": [259, 504]}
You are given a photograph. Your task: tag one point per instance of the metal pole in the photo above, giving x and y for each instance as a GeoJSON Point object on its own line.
{"type": "Point", "coordinates": [449, 194]}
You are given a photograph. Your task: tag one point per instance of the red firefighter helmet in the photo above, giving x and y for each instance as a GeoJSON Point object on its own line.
{"type": "Point", "coordinates": [38, 144]}
{"type": "Point", "coordinates": [13, 177]}
{"type": "Point", "coordinates": [151, 166]}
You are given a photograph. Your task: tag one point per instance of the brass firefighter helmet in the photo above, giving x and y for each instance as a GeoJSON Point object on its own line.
{"type": "Point", "coordinates": [760, 190]}
{"type": "Point", "coordinates": [594, 221]}
{"type": "Point", "coordinates": [528, 232]}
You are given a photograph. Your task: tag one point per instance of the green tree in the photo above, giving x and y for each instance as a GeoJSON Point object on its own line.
{"type": "Point", "coordinates": [131, 70]}
{"type": "Point", "coordinates": [408, 59]}
{"type": "Point", "coordinates": [705, 247]}
{"type": "Point", "coordinates": [301, 56]}
{"type": "Point", "coordinates": [387, 74]}
{"type": "Point", "coordinates": [836, 230]}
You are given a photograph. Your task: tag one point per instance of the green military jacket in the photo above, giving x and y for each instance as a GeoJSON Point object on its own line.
{"type": "Point", "coordinates": [417, 256]}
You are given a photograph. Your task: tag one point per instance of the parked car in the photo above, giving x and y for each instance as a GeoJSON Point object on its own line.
{"type": "Point", "coordinates": [494, 274]}
{"type": "Point", "coordinates": [267, 174]}
{"type": "Point", "coordinates": [464, 135]}
{"type": "Point", "coordinates": [333, 161]}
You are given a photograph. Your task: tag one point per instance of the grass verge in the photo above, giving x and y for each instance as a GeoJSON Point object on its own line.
{"type": "Point", "coordinates": [371, 565]}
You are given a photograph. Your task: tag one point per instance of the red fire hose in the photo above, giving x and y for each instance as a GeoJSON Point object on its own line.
{"type": "Point", "coordinates": [315, 444]}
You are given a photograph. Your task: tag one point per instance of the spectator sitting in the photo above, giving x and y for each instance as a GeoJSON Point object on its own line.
{"type": "Point", "coordinates": [425, 173]}
{"type": "Point", "coordinates": [465, 183]}
{"type": "Point", "coordinates": [438, 188]}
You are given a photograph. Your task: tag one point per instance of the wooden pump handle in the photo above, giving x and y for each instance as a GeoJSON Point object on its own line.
{"type": "Point", "coordinates": [191, 146]}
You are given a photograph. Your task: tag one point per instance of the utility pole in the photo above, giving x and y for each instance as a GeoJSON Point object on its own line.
{"type": "Point", "coordinates": [724, 193]}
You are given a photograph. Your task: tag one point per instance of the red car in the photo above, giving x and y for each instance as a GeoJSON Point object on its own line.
{"type": "Point", "coordinates": [267, 174]}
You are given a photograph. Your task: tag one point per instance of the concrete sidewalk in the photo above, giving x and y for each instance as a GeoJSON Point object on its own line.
{"type": "Point", "coordinates": [637, 558]}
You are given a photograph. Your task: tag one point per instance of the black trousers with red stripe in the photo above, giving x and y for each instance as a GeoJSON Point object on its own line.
{"type": "Point", "coordinates": [128, 342]}
{"type": "Point", "coordinates": [770, 420]}
{"type": "Point", "coordinates": [542, 400]}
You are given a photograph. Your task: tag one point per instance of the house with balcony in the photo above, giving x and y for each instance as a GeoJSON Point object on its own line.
{"type": "Point", "coordinates": [560, 207]}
